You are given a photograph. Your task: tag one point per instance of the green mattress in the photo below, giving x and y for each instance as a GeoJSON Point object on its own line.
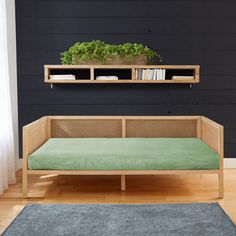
{"type": "Point", "coordinates": [124, 154]}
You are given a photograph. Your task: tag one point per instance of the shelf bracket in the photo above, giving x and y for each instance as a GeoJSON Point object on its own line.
{"type": "Point", "coordinates": [51, 86]}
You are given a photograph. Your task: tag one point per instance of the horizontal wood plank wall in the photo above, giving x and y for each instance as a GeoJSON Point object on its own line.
{"type": "Point", "coordinates": [183, 32]}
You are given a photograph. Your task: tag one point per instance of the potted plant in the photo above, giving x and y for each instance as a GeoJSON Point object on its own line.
{"type": "Point", "coordinates": [99, 52]}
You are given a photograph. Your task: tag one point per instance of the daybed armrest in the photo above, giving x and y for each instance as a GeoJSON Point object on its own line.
{"type": "Point", "coordinates": [213, 134]}
{"type": "Point", "coordinates": [34, 135]}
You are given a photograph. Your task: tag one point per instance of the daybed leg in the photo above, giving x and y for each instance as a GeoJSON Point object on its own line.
{"type": "Point", "coordinates": [25, 184]}
{"type": "Point", "coordinates": [123, 187]}
{"type": "Point", "coordinates": [221, 184]}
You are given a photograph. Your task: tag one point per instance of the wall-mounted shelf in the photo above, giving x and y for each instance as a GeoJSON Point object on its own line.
{"type": "Point", "coordinates": [126, 73]}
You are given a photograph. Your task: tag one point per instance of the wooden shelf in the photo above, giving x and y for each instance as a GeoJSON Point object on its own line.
{"type": "Point", "coordinates": [87, 73]}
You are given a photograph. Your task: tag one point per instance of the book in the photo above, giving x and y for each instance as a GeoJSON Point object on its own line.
{"type": "Point", "coordinates": [164, 74]}
{"type": "Point", "coordinates": [161, 74]}
{"type": "Point", "coordinates": [177, 77]}
{"type": "Point", "coordinates": [154, 75]}
{"type": "Point", "coordinates": [144, 75]}
{"type": "Point", "coordinates": [62, 77]}
{"type": "Point", "coordinates": [150, 74]}
{"type": "Point", "coordinates": [158, 74]}
{"type": "Point", "coordinates": [113, 77]}
{"type": "Point", "coordinates": [140, 74]}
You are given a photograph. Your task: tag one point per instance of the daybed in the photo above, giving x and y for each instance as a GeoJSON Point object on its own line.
{"type": "Point", "coordinates": [122, 145]}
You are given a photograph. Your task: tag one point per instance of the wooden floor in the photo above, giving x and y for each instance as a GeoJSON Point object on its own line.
{"type": "Point", "coordinates": [106, 189]}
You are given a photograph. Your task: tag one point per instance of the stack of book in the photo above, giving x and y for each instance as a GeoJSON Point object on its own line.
{"type": "Point", "coordinates": [62, 77]}
{"type": "Point", "coordinates": [150, 74]}
{"type": "Point", "coordinates": [113, 77]}
{"type": "Point", "coordinates": [178, 77]}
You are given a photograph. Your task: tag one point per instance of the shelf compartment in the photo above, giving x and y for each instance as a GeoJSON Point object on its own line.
{"type": "Point", "coordinates": [122, 74]}
{"type": "Point", "coordinates": [174, 72]}
{"type": "Point", "coordinates": [80, 74]}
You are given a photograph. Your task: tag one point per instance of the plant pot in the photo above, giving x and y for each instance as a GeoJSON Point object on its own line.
{"type": "Point", "coordinates": [114, 60]}
{"type": "Point", "coordinates": [127, 60]}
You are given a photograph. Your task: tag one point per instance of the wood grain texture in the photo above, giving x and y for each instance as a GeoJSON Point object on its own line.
{"type": "Point", "coordinates": [106, 190]}
{"type": "Point", "coordinates": [34, 135]}
{"type": "Point", "coordinates": [125, 127]}
{"type": "Point", "coordinates": [61, 68]}
{"type": "Point", "coordinates": [213, 135]}
{"type": "Point", "coordinates": [120, 172]}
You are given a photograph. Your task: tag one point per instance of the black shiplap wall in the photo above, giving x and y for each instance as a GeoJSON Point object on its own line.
{"type": "Point", "coordinates": [183, 32]}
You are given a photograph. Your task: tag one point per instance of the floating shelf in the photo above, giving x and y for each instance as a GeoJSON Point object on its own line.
{"type": "Point", "coordinates": [125, 73]}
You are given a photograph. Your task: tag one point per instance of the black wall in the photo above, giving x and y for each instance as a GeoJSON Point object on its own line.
{"type": "Point", "coordinates": [183, 32]}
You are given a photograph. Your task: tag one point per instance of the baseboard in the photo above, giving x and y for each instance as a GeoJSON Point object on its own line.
{"type": "Point", "coordinates": [19, 164]}
{"type": "Point", "coordinates": [229, 163]}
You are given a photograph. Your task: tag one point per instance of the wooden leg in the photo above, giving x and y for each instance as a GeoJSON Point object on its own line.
{"type": "Point", "coordinates": [221, 184]}
{"type": "Point", "coordinates": [123, 187]}
{"type": "Point", "coordinates": [25, 184]}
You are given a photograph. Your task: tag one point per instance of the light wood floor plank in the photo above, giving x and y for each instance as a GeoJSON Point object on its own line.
{"type": "Point", "coordinates": [106, 189]}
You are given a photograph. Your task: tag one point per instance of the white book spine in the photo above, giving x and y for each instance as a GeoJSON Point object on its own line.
{"type": "Point", "coordinates": [164, 74]}
{"type": "Point", "coordinates": [154, 74]}
{"type": "Point", "coordinates": [149, 72]}
{"type": "Point", "coordinates": [144, 74]}
{"type": "Point", "coordinates": [161, 74]}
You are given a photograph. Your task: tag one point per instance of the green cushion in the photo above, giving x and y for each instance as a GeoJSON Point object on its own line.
{"type": "Point", "coordinates": [124, 154]}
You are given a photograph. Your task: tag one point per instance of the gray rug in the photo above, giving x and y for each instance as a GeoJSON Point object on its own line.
{"type": "Point", "coordinates": [149, 219]}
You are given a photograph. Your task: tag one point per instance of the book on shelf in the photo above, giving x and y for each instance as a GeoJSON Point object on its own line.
{"type": "Point", "coordinates": [62, 77]}
{"type": "Point", "coordinates": [107, 77]}
{"type": "Point", "coordinates": [150, 74]}
{"type": "Point", "coordinates": [177, 77]}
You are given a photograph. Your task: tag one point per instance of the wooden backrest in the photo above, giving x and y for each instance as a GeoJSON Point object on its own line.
{"type": "Point", "coordinates": [123, 126]}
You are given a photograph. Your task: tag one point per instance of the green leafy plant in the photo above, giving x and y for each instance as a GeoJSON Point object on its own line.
{"type": "Point", "coordinates": [100, 51]}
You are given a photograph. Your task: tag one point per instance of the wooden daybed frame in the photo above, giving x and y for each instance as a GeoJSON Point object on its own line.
{"type": "Point", "coordinates": [39, 131]}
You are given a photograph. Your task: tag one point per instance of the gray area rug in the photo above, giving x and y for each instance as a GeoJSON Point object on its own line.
{"type": "Point", "coordinates": [139, 220]}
